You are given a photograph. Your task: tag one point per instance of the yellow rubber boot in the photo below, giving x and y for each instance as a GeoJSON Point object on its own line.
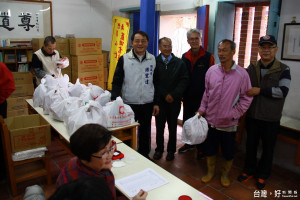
{"type": "Point", "coordinates": [211, 165]}
{"type": "Point", "coordinates": [225, 181]}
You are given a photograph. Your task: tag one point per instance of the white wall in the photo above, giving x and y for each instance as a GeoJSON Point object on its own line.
{"type": "Point", "coordinates": [170, 5]}
{"type": "Point", "coordinates": [291, 108]}
{"type": "Point", "coordinates": [84, 18]}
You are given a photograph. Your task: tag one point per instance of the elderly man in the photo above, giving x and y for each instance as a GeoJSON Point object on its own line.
{"type": "Point", "coordinates": [224, 102]}
{"type": "Point", "coordinates": [197, 61]}
{"type": "Point", "coordinates": [43, 60]}
{"type": "Point", "coordinates": [270, 80]}
{"type": "Point", "coordinates": [136, 77]}
{"type": "Point", "coordinates": [173, 79]}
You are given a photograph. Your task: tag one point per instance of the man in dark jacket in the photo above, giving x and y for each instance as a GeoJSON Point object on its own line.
{"type": "Point", "coordinates": [197, 61]}
{"type": "Point", "coordinates": [270, 81]}
{"type": "Point", "coordinates": [173, 79]}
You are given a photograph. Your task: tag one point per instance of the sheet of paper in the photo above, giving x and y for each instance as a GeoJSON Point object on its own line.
{"type": "Point", "coordinates": [147, 180]}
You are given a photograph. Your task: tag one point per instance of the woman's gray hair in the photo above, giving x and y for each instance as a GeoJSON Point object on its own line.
{"type": "Point", "coordinates": [193, 30]}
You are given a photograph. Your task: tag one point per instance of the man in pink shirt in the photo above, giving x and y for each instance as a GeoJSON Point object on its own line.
{"type": "Point", "coordinates": [224, 102]}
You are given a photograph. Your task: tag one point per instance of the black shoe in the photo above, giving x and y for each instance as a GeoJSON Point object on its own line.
{"type": "Point", "coordinates": [200, 155]}
{"type": "Point", "coordinates": [157, 155]}
{"type": "Point", "coordinates": [244, 177]}
{"type": "Point", "coordinates": [260, 184]}
{"type": "Point", "coordinates": [170, 156]}
{"type": "Point", "coordinates": [185, 148]}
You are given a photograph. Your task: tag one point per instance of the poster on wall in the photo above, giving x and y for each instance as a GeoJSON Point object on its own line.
{"type": "Point", "coordinates": [23, 20]}
{"type": "Point", "coordinates": [291, 42]}
{"type": "Point", "coordinates": [120, 31]}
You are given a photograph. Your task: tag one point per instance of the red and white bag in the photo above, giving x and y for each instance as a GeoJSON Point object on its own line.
{"type": "Point", "coordinates": [118, 113]}
{"type": "Point", "coordinates": [62, 63]}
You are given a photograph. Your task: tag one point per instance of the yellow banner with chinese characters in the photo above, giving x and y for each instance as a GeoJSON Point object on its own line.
{"type": "Point", "coordinates": [119, 39]}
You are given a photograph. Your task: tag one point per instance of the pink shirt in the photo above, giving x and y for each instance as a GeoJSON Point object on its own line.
{"type": "Point", "coordinates": [224, 100]}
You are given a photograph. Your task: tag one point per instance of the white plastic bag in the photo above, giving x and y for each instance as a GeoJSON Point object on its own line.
{"type": "Point", "coordinates": [77, 89]}
{"type": "Point", "coordinates": [86, 96]}
{"type": "Point", "coordinates": [60, 109]}
{"type": "Point", "coordinates": [63, 81]}
{"type": "Point", "coordinates": [28, 154]}
{"type": "Point", "coordinates": [52, 96]}
{"type": "Point", "coordinates": [39, 94]}
{"type": "Point", "coordinates": [51, 82]}
{"type": "Point", "coordinates": [92, 112]}
{"type": "Point", "coordinates": [118, 113]}
{"type": "Point", "coordinates": [95, 91]}
{"type": "Point", "coordinates": [194, 130]}
{"type": "Point", "coordinates": [104, 98]}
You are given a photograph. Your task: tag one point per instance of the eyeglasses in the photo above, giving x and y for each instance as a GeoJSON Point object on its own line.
{"type": "Point", "coordinates": [194, 39]}
{"type": "Point", "coordinates": [106, 153]}
{"type": "Point", "coordinates": [140, 41]}
{"type": "Point", "coordinates": [267, 47]}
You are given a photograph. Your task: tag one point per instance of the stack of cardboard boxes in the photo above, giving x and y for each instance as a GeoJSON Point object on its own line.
{"type": "Point", "coordinates": [63, 47]}
{"type": "Point", "coordinates": [87, 61]}
{"type": "Point", "coordinates": [16, 104]}
{"type": "Point", "coordinates": [105, 66]}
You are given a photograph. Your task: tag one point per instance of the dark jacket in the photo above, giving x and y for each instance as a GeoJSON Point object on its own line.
{"type": "Point", "coordinates": [173, 78]}
{"type": "Point", "coordinates": [196, 86]}
{"type": "Point", "coordinates": [263, 107]}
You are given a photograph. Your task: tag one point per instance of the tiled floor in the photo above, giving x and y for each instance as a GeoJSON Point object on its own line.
{"type": "Point", "coordinates": [188, 169]}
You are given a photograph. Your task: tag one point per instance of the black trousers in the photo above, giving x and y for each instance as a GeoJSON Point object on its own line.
{"type": "Point", "coordinates": [215, 138]}
{"type": "Point", "coordinates": [267, 132]}
{"type": "Point", "coordinates": [143, 115]}
{"type": "Point", "coordinates": [168, 112]}
{"type": "Point", "coordinates": [3, 113]}
{"type": "Point", "coordinates": [190, 107]}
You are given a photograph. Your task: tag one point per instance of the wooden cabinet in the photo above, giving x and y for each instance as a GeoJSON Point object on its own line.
{"type": "Point", "coordinates": [17, 58]}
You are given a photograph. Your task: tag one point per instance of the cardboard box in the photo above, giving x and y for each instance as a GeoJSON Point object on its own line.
{"type": "Point", "coordinates": [16, 103]}
{"type": "Point", "coordinates": [37, 43]}
{"type": "Point", "coordinates": [15, 113]}
{"type": "Point", "coordinates": [28, 132]}
{"type": "Point", "coordinates": [62, 45]}
{"type": "Point", "coordinates": [105, 74]}
{"type": "Point", "coordinates": [67, 71]}
{"type": "Point", "coordinates": [105, 86]}
{"type": "Point", "coordinates": [87, 63]}
{"type": "Point", "coordinates": [85, 46]}
{"type": "Point", "coordinates": [29, 53]}
{"type": "Point", "coordinates": [105, 58]}
{"type": "Point", "coordinates": [22, 78]}
{"type": "Point", "coordinates": [23, 90]}
{"type": "Point", "coordinates": [95, 77]}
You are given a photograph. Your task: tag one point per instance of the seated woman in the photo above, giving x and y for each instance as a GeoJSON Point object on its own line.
{"type": "Point", "coordinates": [93, 148]}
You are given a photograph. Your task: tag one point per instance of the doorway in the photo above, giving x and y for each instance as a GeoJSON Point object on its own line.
{"type": "Point", "coordinates": [175, 27]}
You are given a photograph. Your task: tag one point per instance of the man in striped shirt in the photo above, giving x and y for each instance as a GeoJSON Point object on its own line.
{"type": "Point", "coordinates": [270, 81]}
